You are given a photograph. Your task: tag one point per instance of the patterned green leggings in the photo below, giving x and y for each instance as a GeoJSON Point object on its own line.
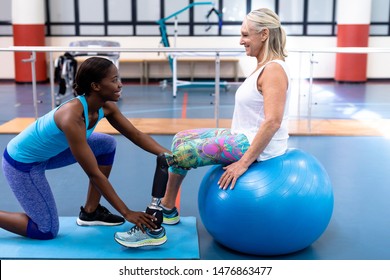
{"type": "Point", "coordinates": [200, 147]}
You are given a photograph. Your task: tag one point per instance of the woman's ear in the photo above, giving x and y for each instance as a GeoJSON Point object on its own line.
{"type": "Point", "coordinates": [264, 34]}
{"type": "Point", "coordinates": [95, 86]}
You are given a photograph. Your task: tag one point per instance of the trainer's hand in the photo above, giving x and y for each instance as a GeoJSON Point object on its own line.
{"type": "Point", "coordinates": [141, 219]}
{"type": "Point", "coordinates": [231, 174]}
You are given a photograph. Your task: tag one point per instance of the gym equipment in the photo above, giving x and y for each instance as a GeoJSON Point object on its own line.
{"type": "Point", "coordinates": [172, 58]}
{"type": "Point", "coordinates": [278, 206]}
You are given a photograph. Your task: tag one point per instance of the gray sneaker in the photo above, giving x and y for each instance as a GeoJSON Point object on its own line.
{"type": "Point", "coordinates": [136, 238]}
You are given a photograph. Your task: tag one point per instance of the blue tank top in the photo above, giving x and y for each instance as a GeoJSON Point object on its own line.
{"type": "Point", "coordinates": [43, 139]}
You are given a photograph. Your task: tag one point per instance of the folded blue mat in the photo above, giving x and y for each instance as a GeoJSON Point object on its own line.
{"type": "Point", "coordinates": [97, 242]}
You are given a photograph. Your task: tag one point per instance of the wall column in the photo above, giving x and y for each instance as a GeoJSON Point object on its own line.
{"type": "Point", "coordinates": [28, 24]}
{"type": "Point", "coordinates": [353, 25]}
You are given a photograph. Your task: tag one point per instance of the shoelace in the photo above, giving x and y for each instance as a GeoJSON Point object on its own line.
{"type": "Point", "coordinates": [133, 230]}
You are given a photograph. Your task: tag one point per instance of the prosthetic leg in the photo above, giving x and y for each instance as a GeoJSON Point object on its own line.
{"type": "Point", "coordinates": [158, 191]}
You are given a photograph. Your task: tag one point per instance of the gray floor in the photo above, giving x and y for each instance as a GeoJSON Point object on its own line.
{"type": "Point", "coordinates": [359, 228]}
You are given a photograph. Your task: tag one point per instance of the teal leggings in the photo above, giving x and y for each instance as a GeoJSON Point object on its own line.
{"type": "Point", "coordinates": [204, 146]}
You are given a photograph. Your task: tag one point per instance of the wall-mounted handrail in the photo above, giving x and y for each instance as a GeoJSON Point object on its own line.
{"type": "Point", "coordinates": [173, 50]}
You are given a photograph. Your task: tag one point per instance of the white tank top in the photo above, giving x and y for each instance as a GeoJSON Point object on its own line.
{"type": "Point", "coordinates": [249, 114]}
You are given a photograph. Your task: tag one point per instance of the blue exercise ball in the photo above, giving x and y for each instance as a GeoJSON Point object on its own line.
{"type": "Point", "coordinates": [278, 206]}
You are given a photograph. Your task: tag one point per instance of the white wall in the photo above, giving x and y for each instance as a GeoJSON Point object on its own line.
{"type": "Point", "coordinates": [299, 64]}
{"type": "Point", "coordinates": [7, 68]}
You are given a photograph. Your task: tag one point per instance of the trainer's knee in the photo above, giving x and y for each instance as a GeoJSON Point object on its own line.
{"type": "Point", "coordinates": [106, 159]}
{"type": "Point", "coordinates": [105, 148]}
{"type": "Point", "coordinates": [34, 232]}
{"type": "Point", "coordinates": [109, 142]}
{"type": "Point", "coordinates": [101, 141]}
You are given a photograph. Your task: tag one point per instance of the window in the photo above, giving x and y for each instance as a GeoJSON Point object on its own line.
{"type": "Point", "coordinates": [119, 10]}
{"type": "Point", "coordinates": [380, 17]}
{"type": "Point", "coordinates": [270, 4]}
{"type": "Point", "coordinates": [139, 17]}
{"type": "Point", "coordinates": [5, 18]}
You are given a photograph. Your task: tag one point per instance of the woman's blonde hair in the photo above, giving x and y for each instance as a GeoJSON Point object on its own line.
{"type": "Point", "coordinates": [276, 42]}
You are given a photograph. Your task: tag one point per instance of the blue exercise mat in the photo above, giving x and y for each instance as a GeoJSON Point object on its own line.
{"type": "Point", "coordinates": [97, 242]}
